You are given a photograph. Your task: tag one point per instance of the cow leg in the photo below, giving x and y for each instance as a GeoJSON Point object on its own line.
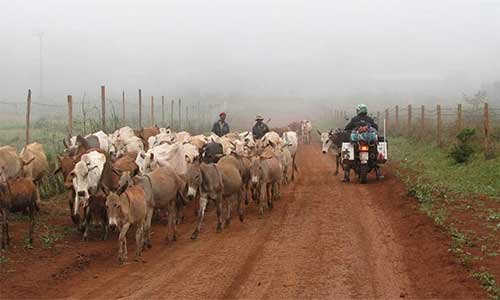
{"type": "Point", "coordinates": [218, 204]}
{"type": "Point", "coordinates": [38, 201]}
{"type": "Point", "coordinates": [229, 202]}
{"type": "Point", "coordinates": [273, 192]}
{"type": "Point", "coordinates": [147, 227]}
{"type": "Point", "coordinates": [240, 206]}
{"type": "Point", "coordinates": [245, 186]}
{"type": "Point", "coordinates": [201, 215]}
{"type": "Point", "coordinates": [5, 229]}
{"type": "Point", "coordinates": [337, 163]}
{"type": "Point", "coordinates": [139, 240]}
{"type": "Point", "coordinates": [86, 223]}
{"type": "Point", "coordinates": [104, 224]}
{"type": "Point", "coordinates": [122, 243]}
{"type": "Point", "coordinates": [262, 193]}
{"type": "Point", "coordinates": [31, 223]}
{"type": "Point", "coordinates": [75, 219]}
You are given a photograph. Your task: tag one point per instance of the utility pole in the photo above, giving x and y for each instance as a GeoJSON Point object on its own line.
{"type": "Point", "coordinates": [40, 36]}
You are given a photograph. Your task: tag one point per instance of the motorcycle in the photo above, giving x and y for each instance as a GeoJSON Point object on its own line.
{"type": "Point", "coordinates": [364, 152]}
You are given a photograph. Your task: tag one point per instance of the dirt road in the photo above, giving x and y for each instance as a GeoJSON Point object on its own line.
{"type": "Point", "coordinates": [324, 239]}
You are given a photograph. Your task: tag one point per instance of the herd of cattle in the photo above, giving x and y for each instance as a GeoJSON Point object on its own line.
{"type": "Point", "coordinates": [124, 178]}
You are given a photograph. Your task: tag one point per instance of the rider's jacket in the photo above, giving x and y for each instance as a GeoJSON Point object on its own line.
{"type": "Point", "coordinates": [361, 120]}
{"type": "Point", "coordinates": [259, 129]}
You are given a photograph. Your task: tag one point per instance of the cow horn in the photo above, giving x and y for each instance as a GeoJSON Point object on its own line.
{"type": "Point", "coordinates": [319, 132]}
{"type": "Point", "coordinates": [27, 162]}
{"type": "Point", "coordinates": [65, 143]}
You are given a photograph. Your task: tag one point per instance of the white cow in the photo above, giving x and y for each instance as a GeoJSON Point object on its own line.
{"type": "Point", "coordinates": [86, 177]}
{"type": "Point", "coordinates": [271, 138]}
{"type": "Point", "coordinates": [247, 138]}
{"type": "Point", "coordinates": [98, 139]}
{"type": "Point", "coordinates": [306, 128]}
{"type": "Point", "coordinates": [173, 156]}
{"type": "Point", "coordinates": [290, 141]}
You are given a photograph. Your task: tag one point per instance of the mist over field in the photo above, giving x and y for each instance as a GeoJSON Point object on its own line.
{"type": "Point", "coordinates": [301, 52]}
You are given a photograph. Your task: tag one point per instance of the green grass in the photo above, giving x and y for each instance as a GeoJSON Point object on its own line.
{"type": "Point", "coordinates": [434, 166]}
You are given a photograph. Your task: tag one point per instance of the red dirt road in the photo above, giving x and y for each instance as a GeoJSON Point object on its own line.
{"type": "Point", "coordinates": [324, 239]}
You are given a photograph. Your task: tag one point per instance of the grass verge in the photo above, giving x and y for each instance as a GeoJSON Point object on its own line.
{"type": "Point", "coordinates": [463, 199]}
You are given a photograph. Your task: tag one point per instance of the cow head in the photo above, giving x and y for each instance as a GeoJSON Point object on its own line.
{"type": "Point", "coordinates": [80, 179]}
{"type": "Point", "coordinates": [326, 142]}
{"type": "Point", "coordinates": [113, 209]}
{"type": "Point", "coordinates": [144, 161]}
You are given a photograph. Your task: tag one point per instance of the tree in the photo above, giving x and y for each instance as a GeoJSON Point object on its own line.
{"type": "Point", "coordinates": [477, 99]}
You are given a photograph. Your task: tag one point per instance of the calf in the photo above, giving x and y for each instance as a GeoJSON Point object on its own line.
{"type": "Point", "coordinates": [206, 180]}
{"type": "Point", "coordinates": [129, 208]}
{"type": "Point", "coordinates": [266, 174]}
{"type": "Point", "coordinates": [17, 194]}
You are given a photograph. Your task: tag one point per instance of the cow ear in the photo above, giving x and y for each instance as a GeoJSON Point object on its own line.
{"type": "Point", "coordinates": [105, 189]}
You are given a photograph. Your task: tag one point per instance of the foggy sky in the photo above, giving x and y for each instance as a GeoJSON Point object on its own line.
{"type": "Point", "coordinates": [309, 49]}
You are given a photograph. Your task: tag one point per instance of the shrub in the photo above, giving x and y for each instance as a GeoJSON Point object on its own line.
{"type": "Point", "coordinates": [463, 150]}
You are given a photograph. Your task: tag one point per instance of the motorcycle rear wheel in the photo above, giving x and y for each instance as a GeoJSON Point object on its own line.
{"type": "Point", "coordinates": [363, 173]}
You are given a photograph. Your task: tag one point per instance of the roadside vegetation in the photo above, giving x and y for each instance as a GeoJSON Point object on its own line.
{"type": "Point", "coordinates": [462, 198]}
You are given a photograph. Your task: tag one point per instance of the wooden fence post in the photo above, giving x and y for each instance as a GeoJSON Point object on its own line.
{"type": "Point", "coordinates": [163, 111]}
{"type": "Point", "coordinates": [103, 107]}
{"type": "Point", "coordinates": [180, 117]}
{"type": "Point", "coordinates": [422, 118]}
{"type": "Point", "coordinates": [152, 111]}
{"type": "Point", "coordinates": [386, 119]}
{"type": "Point", "coordinates": [439, 133]}
{"type": "Point", "coordinates": [488, 153]}
{"type": "Point", "coordinates": [459, 118]}
{"type": "Point", "coordinates": [140, 108]}
{"type": "Point", "coordinates": [409, 118]}
{"type": "Point", "coordinates": [28, 113]}
{"type": "Point", "coordinates": [123, 108]}
{"type": "Point", "coordinates": [172, 114]}
{"type": "Point", "coordinates": [70, 116]}
{"type": "Point", "coordinates": [397, 117]}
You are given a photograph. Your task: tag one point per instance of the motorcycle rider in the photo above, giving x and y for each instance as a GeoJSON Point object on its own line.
{"type": "Point", "coordinates": [361, 119]}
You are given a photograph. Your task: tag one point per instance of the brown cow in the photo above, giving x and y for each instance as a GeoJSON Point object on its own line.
{"type": "Point", "coordinates": [17, 194]}
{"type": "Point", "coordinates": [124, 210]}
{"type": "Point", "coordinates": [11, 166]}
{"type": "Point", "coordinates": [146, 133]}
{"type": "Point", "coordinates": [37, 169]}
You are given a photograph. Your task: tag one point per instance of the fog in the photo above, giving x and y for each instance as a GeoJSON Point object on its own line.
{"type": "Point", "coordinates": [347, 51]}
